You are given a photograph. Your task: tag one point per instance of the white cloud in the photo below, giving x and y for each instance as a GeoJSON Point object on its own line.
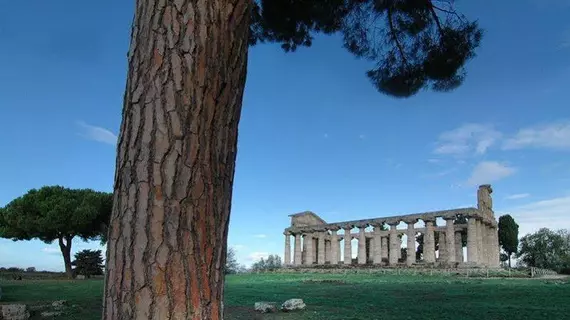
{"type": "Point", "coordinates": [51, 250]}
{"type": "Point", "coordinates": [489, 171]}
{"type": "Point", "coordinates": [552, 213]}
{"type": "Point", "coordinates": [256, 256]}
{"type": "Point", "coordinates": [433, 160]}
{"type": "Point", "coordinates": [517, 196]}
{"type": "Point", "coordinates": [98, 134]}
{"type": "Point", "coordinates": [553, 136]}
{"type": "Point", "coordinates": [467, 139]}
{"type": "Point", "coordinates": [238, 246]}
{"type": "Point", "coordinates": [261, 236]}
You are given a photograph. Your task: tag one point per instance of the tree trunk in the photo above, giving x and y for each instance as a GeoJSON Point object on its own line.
{"type": "Point", "coordinates": [175, 160]}
{"type": "Point", "coordinates": [509, 258]}
{"type": "Point", "coordinates": [66, 252]}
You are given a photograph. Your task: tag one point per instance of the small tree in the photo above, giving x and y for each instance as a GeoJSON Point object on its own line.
{"type": "Point", "coordinates": [57, 213]}
{"type": "Point", "coordinates": [88, 263]}
{"type": "Point", "coordinates": [232, 266]}
{"type": "Point", "coordinates": [31, 269]}
{"type": "Point", "coordinates": [508, 235]}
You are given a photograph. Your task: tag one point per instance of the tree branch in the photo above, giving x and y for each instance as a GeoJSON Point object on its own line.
{"type": "Point", "coordinates": [435, 17]}
{"type": "Point", "coordinates": [395, 36]}
{"type": "Point", "coordinates": [452, 12]}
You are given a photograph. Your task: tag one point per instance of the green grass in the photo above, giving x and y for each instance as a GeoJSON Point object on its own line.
{"type": "Point", "coordinates": [343, 297]}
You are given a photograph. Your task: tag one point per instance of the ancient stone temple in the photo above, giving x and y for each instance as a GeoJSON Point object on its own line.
{"type": "Point", "coordinates": [312, 241]}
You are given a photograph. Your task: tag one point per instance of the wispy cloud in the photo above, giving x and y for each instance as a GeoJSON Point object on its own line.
{"type": "Point", "coordinates": [489, 171]}
{"type": "Point", "coordinates": [551, 213]}
{"type": "Point", "coordinates": [517, 196]}
{"type": "Point", "coordinates": [565, 43]}
{"type": "Point", "coordinates": [261, 236]}
{"type": "Point", "coordinates": [256, 256]}
{"type": "Point", "coordinates": [433, 160]}
{"type": "Point", "coordinates": [467, 139]}
{"type": "Point", "coordinates": [98, 134]}
{"type": "Point", "coordinates": [553, 136]}
{"type": "Point", "coordinates": [51, 251]}
{"type": "Point", "coordinates": [439, 174]}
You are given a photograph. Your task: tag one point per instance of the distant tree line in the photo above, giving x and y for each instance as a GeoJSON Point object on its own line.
{"type": "Point", "coordinates": [273, 262]}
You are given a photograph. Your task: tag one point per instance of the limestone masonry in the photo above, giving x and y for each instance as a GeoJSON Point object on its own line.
{"type": "Point", "coordinates": [316, 242]}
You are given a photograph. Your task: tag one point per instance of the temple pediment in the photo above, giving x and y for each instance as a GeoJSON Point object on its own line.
{"type": "Point", "coordinates": [305, 218]}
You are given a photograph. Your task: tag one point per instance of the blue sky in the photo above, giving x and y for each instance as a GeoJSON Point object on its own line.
{"type": "Point", "coordinates": [314, 135]}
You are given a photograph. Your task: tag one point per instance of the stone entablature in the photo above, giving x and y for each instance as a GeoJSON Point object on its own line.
{"type": "Point", "coordinates": [426, 216]}
{"type": "Point", "coordinates": [318, 242]}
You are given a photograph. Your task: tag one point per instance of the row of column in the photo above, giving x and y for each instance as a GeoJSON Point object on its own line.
{"type": "Point", "coordinates": [482, 245]}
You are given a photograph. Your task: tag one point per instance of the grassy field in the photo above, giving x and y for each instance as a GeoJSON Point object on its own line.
{"type": "Point", "coordinates": [342, 297]}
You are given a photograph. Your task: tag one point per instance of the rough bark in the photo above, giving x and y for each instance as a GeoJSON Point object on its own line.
{"type": "Point", "coordinates": [65, 248]}
{"type": "Point", "coordinates": [175, 160]}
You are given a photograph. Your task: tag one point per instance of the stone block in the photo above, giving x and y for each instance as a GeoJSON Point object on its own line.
{"type": "Point", "coordinates": [293, 304]}
{"type": "Point", "coordinates": [265, 307]}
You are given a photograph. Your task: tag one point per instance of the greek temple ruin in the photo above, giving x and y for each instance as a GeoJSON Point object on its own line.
{"type": "Point", "coordinates": [316, 242]}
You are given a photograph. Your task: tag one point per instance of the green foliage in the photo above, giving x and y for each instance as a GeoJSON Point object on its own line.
{"type": "Point", "coordinates": [273, 262]}
{"type": "Point", "coordinates": [414, 44]}
{"type": "Point", "coordinates": [508, 235]}
{"type": "Point", "coordinates": [31, 269]}
{"type": "Point", "coordinates": [55, 212]}
{"type": "Point", "coordinates": [88, 263]}
{"type": "Point", "coordinates": [546, 249]}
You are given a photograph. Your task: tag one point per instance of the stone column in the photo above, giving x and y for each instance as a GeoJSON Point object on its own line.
{"type": "Point", "coordinates": [321, 248]}
{"type": "Point", "coordinates": [309, 259]}
{"type": "Point", "coordinates": [458, 247]}
{"type": "Point", "coordinates": [450, 240]}
{"type": "Point", "coordinates": [394, 245]}
{"type": "Point", "coordinates": [485, 241]}
{"type": "Point", "coordinates": [411, 244]}
{"type": "Point", "coordinates": [442, 247]}
{"type": "Point", "coordinates": [384, 249]}
{"type": "Point", "coordinates": [361, 245]}
{"type": "Point", "coordinates": [304, 254]}
{"type": "Point", "coordinates": [287, 255]}
{"type": "Point", "coordinates": [495, 261]}
{"type": "Point", "coordinates": [334, 247]}
{"type": "Point", "coordinates": [399, 251]}
{"type": "Point", "coordinates": [297, 258]}
{"type": "Point", "coordinates": [347, 246]}
{"type": "Point", "coordinates": [472, 254]}
{"type": "Point", "coordinates": [480, 252]}
{"type": "Point", "coordinates": [377, 252]}
{"type": "Point", "coordinates": [429, 243]}
{"type": "Point", "coordinates": [369, 249]}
